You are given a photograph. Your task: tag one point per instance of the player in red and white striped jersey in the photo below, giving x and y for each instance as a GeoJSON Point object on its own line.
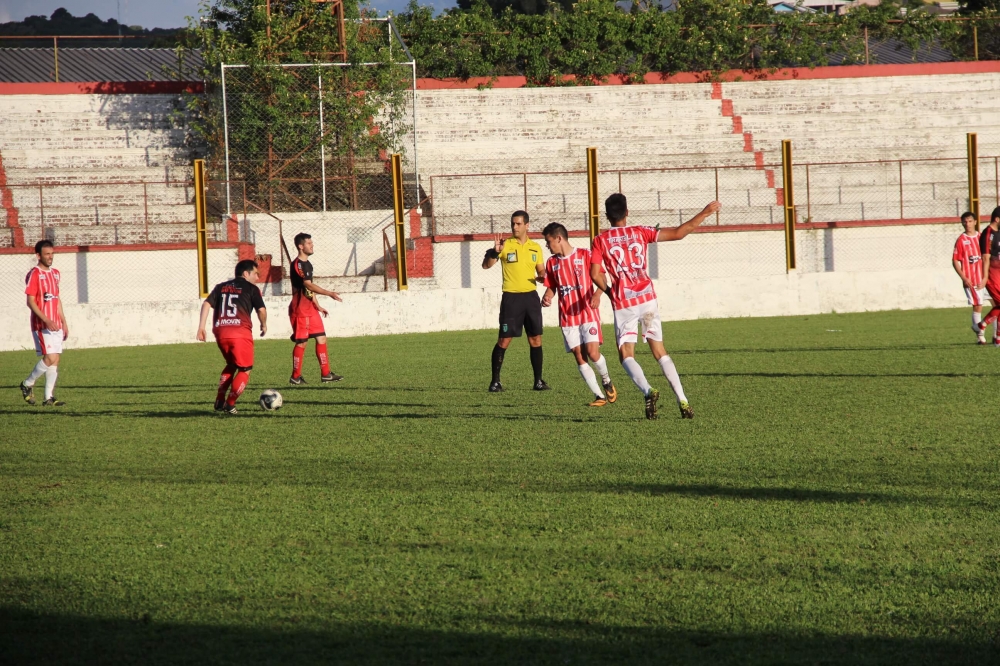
{"type": "Point", "coordinates": [968, 263]}
{"type": "Point", "coordinates": [622, 251]}
{"type": "Point", "coordinates": [567, 273]}
{"type": "Point", "coordinates": [48, 324]}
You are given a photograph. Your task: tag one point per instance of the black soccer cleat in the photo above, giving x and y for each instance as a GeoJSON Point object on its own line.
{"type": "Point", "coordinates": [332, 377]}
{"type": "Point", "coordinates": [611, 392]}
{"type": "Point", "coordinates": [496, 387]}
{"type": "Point", "coordinates": [540, 385]}
{"type": "Point", "coordinates": [651, 399]}
{"type": "Point", "coordinates": [52, 402]}
{"type": "Point", "coordinates": [686, 411]}
{"type": "Point", "coordinates": [296, 381]}
{"type": "Point", "coordinates": [219, 404]}
{"type": "Point", "coordinates": [28, 393]}
{"type": "Point", "coordinates": [229, 409]}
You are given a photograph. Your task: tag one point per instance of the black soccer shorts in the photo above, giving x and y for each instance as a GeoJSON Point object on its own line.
{"type": "Point", "coordinates": [519, 311]}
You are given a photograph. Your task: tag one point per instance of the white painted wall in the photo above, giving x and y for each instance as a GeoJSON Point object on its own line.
{"type": "Point", "coordinates": [703, 276]}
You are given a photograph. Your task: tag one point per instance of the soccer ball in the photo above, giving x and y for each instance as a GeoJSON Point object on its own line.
{"type": "Point", "coordinates": [270, 400]}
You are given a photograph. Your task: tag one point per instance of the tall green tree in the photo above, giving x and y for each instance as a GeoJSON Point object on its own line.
{"type": "Point", "coordinates": [277, 142]}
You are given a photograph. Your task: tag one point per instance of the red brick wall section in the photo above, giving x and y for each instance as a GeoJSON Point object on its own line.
{"type": "Point", "coordinates": [7, 202]}
{"type": "Point", "coordinates": [233, 230]}
{"type": "Point", "coordinates": [420, 260]}
{"type": "Point", "coordinates": [246, 251]}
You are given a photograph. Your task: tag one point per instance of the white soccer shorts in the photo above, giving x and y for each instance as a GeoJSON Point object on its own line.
{"type": "Point", "coordinates": [585, 333]}
{"type": "Point", "coordinates": [976, 296]}
{"type": "Point", "coordinates": [627, 321]}
{"type": "Point", "coordinates": [47, 342]}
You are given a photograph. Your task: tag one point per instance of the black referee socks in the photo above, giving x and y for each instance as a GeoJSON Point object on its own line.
{"type": "Point", "coordinates": [536, 363]}
{"type": "Point", "coordinates": [498, 352]}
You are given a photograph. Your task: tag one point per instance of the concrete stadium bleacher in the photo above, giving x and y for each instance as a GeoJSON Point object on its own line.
{"type": "Point", "coordinates": [75, 168]}
{"type": "Point", "coordinates": [730, 124]}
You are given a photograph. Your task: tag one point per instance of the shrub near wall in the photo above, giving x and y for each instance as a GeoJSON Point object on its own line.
{"type": "Point", "coordinates": [595, 39]}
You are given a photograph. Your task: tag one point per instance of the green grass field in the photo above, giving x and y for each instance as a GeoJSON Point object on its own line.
{"type": "Point", "coordinates": [834, 501]}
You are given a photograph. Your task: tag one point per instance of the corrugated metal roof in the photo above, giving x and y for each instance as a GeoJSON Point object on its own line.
{"type": "Point", "coordinates": [895, 52]}
{"type": "Point", "coordinates": [19, 65]}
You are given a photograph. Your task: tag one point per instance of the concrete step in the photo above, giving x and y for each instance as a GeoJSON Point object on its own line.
{"type": "Point", "coordinates": [126, 158]}
{"type": "Point", "coordinates": [176, 175]}
{"type": "Point", "coordinates": [22, 138]}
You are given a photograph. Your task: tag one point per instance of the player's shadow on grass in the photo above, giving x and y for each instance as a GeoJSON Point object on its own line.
{"type": "Point", "coordinates": [786, 350]}
{"type": "Point", "coordinates": [841, 375]}
{"type": "Point", "coordinates": [50, 638]}
{"type": "Point", "coordinates": [751, 493]}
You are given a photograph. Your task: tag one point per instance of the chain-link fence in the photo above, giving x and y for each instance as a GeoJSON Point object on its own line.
{"type": "Point", "coordinates": [105, 213]}
{"type": "Point", "coordinates": [307, 150]}
{"type": "Point", "coordinates": [850, 216]}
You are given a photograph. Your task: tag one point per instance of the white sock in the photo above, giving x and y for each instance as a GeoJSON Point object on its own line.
{"type": "Point", "coordinates": [51, 374]}
{"type": "Point", "coordinates": [36, 372]}
{"type": "Point", "coordinates": [602, 368]}
{"type": "Point", "coordinates": [635, 374]}
{"type": "Point", "coordinates": [591, 379]}
{"type": "Point", "coordinates": [670, 372]}
{"type": "Point", "coordinates": [977, 317]}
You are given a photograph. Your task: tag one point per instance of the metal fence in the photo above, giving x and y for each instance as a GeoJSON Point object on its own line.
{"type": "Point", "coordinates": [100, 213]}
{"type": "Point", "coordinates": [850, 216]}
{"type": "Point", "coordinates": [745, 237]}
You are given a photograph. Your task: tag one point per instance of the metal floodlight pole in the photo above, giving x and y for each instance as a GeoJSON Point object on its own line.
{"type": "Point", "coordinates": [322, 146]}
{"type": "Point", "coordinates": [594, 222]}
{"type": "Point", "coordinates": [402, 282]}
{"type": "Point", "coordinates": [972, 155]}
{"type": "Point", "coordinates": [201, 226]}
{"type": "Point", "coordinates": [225, 134]}
{"type": "Point", "coordinates": [416, 171]}
{"type": "Point", "coordinates": [413, 67]}
{"type": "Point", "coordinates": [789, 205]}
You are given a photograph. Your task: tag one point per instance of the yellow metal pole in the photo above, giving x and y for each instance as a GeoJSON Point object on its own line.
{"type": "Point", "coordinates": [201, 226]}
{"type": "Point", "coordinates": [595, 222]}
{"type": "Point", "coordinates": [55, 55]}
{"type": "Point", "coordinates": [397, 209]}
{"type": "Point", "coordinates": [972, 152]}
{"type": "Point", "coordinates": [789, 197]}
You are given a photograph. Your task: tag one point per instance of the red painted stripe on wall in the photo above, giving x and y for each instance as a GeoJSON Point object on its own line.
{"type": "Point", "coordinates": [104, 88]}
{"type": "Point", "coordinates": [7, 203]}
{"type": "Point", "coordinates": [793, 73]}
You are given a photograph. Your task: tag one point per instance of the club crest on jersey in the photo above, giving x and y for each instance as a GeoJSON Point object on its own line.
{"type": "Point", "coordinates": [534, 258]}
{"type": "Point", "coordinates": [593, 330]}
{"type": "Point", "coordinates": [511, 257]}
{"type": "Point", "coordinates": [504, 328]}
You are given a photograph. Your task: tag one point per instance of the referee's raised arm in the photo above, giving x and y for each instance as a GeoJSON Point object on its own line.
{"type": "Point", "coordinates": [493, 253]}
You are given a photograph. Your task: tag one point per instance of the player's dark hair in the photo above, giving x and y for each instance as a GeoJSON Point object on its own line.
{"type": "Point", "coordinates": [244, 266]}
{"type": "Point", "coordinates": [616, 207]}
{"type": "Point", "coordinates": [969, 213]}
{"type": "Point", "coordinates": [519, 213]}
{"type": "Point", "coordinates": [45, 242]}
{"type": "Point", "coordinates": [995, 214]}
{"type": "Point", "coordinates": [555, 229]}
{"type": "Point", "coordinates": [300, 239]}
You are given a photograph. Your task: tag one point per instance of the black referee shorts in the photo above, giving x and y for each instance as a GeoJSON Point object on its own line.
{"type": "Point", "coordinates": [519, 311]}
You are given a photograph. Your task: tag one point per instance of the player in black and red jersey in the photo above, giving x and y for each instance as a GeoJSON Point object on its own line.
{"type": "Point", "coordinates": [232, 303]}
{"type": "Point", "coordinates": [305, 314]}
